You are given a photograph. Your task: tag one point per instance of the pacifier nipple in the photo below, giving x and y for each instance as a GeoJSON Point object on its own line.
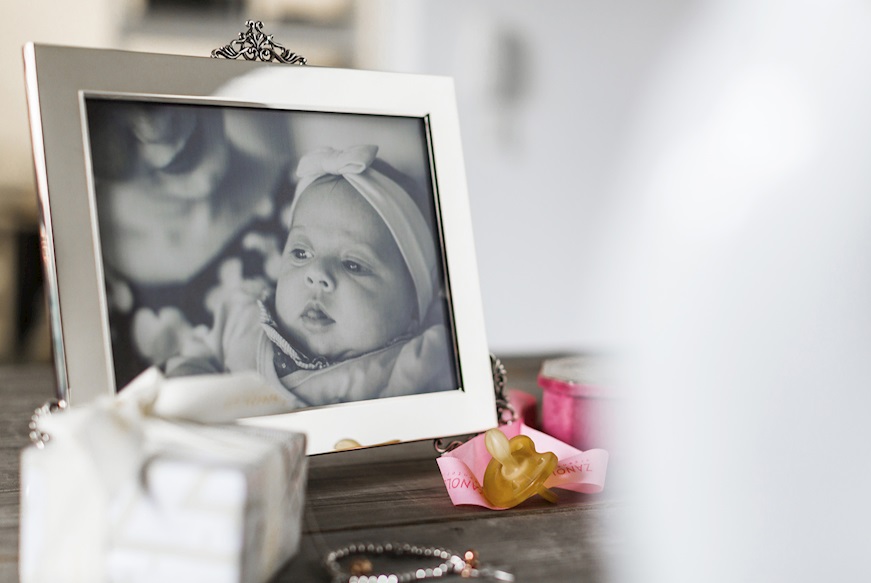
{"type": "Point", "coordinates": [516, 471]}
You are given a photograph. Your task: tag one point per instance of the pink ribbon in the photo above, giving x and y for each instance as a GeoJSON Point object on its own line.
{"type": "Point", "coordinates": [463, 468]}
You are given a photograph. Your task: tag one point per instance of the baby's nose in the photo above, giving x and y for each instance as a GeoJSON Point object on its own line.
{"type": "Point", "coordinates": [319, 276]}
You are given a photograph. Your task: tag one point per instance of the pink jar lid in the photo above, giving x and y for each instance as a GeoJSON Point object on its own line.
{"type": "Point", "coordinates": [578, 376]}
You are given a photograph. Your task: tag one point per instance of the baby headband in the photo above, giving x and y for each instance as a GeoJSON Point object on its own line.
{"type": "Point", "coordinates": [393, 204]}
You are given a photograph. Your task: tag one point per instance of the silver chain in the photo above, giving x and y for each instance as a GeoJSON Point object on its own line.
{"type": "Point", "coordinates": [37, 436]}
{"type": "Point", "coordinates": [503, 406]}
{"type": "Point", "coordinates": [451, 563]}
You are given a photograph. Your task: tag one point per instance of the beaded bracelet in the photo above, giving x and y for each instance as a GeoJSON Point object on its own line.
{"type": "Point", "coordinates": [360, 569]}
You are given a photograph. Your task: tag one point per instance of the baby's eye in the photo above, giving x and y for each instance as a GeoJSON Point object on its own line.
{"type": "Point", "coordinates": [300, 254]}
{"type": "Point", "coordinates": [355, 268]}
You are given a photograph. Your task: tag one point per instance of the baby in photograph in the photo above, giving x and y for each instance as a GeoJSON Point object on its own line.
{"type": "Point", "coordinates": [353, 314]}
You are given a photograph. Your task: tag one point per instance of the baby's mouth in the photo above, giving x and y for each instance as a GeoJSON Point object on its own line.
{"type": "Point", "coordinates": [314, 317]}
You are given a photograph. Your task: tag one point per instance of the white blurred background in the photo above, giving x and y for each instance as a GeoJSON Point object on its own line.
{"type": "Point", "coordinates": [686, 182]}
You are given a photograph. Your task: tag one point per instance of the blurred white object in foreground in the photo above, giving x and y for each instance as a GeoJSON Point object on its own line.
{"type": "Point", "coordinates": [742, 246]}
{"type": "Point", "coordinates": [119, 494]}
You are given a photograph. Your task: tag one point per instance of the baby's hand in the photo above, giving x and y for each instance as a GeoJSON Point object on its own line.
{"type": "Point", "coordinates": [233, 287]}
{"type": "Point", "coordinates": [165, 334]}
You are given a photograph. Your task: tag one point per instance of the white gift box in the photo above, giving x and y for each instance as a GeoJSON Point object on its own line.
{"type": "Point", "coordinates": [120, 496]}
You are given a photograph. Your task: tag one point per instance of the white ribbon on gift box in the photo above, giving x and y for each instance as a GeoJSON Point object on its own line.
{"type": "Point", "coordinates": [101, 448]}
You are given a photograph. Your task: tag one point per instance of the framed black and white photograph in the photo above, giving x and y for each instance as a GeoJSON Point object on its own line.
{"type": "Point", "coordinates": [208, 216]}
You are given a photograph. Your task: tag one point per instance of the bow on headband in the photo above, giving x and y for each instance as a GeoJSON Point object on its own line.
{"type": "Point", "coordinates": [393, 204]}
{"type": "Point", "coordinates": [321, 162]}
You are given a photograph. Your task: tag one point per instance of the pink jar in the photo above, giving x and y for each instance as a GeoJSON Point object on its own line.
{"type": "Point", "coordinates": [577, 405]}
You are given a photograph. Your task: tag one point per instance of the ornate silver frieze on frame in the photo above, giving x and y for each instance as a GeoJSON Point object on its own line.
{"type": "Point", "coordinates": [255, 45]}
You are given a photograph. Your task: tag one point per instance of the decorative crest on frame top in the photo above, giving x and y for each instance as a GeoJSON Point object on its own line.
{"type": "Point", "coordinates": [255, 45]}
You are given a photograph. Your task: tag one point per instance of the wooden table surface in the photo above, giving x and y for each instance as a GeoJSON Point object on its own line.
{"type": "Point", "coordinates": [392, 493]}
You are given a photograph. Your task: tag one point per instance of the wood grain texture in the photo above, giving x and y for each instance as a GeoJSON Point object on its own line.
{"type": "Point", "coordinates": [392, 493]}
{"type": "Point", "coordinates": [22, 389]}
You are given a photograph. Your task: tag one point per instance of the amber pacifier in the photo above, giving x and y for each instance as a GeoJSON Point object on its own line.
{"type": "Point", "coordinates": [516, 471]}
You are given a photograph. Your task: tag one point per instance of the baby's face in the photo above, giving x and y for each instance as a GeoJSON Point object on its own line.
{"type": "Point", "coordinates": [344, 288]}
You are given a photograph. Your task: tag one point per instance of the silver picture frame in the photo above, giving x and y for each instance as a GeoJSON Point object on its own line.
{"type": "Point", "coordinates": [104, 268]}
